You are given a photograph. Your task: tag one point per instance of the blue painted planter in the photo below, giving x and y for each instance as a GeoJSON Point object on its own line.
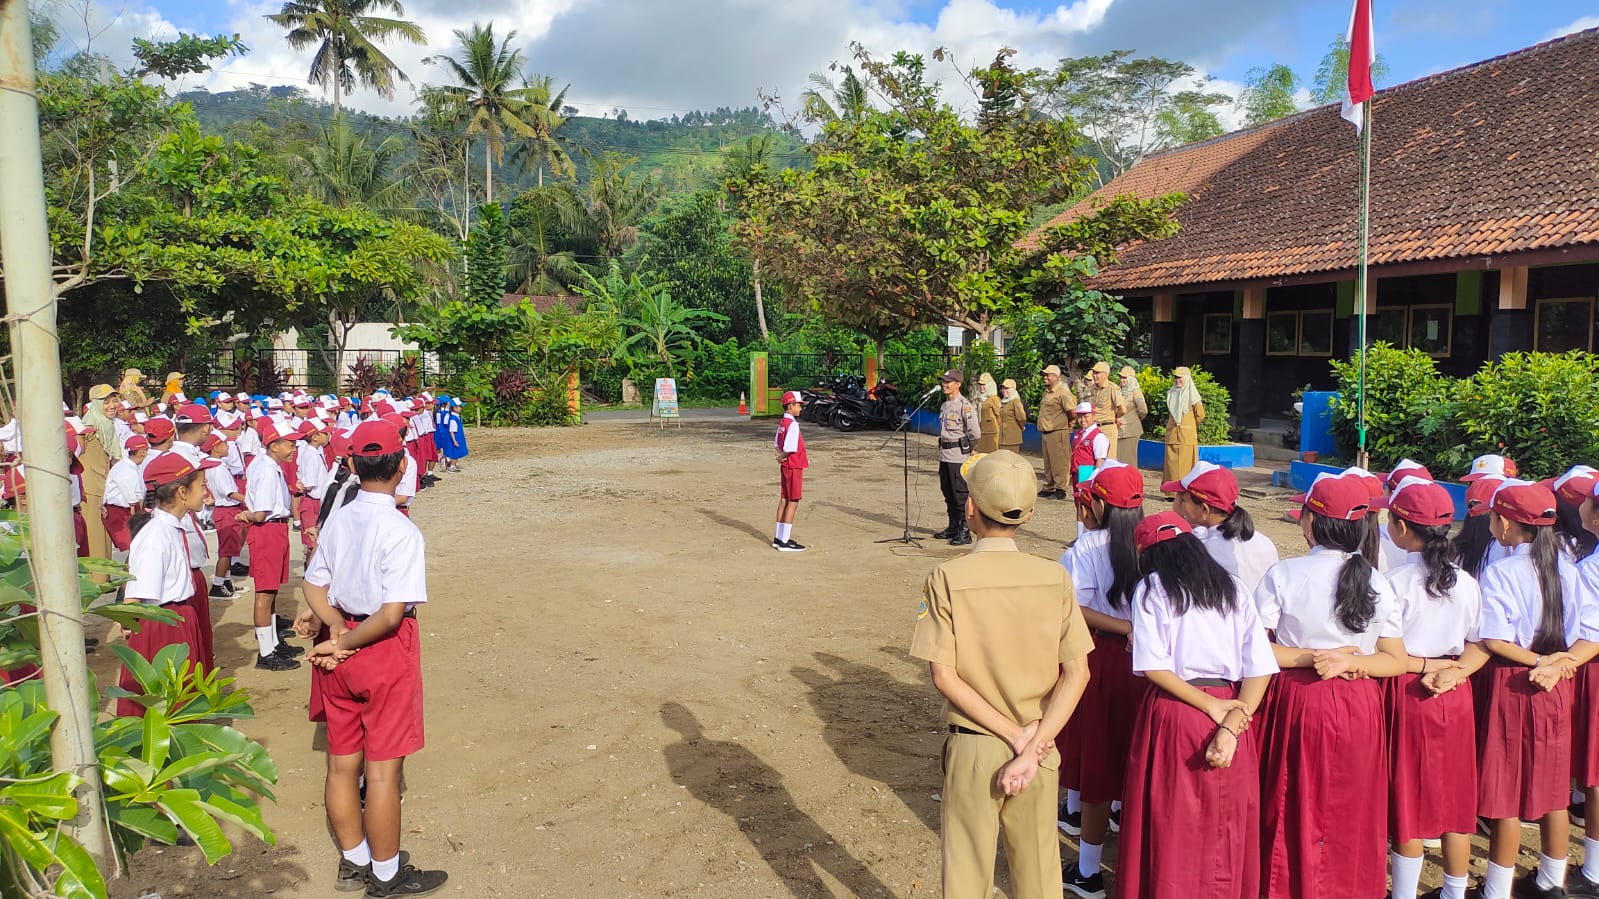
{"type": "Point", "coordinates": [926, 422]}
{"type": "Point", "coordinates": [1152, 455]}
{"type": "Point", "coordinates": [1302, 474]}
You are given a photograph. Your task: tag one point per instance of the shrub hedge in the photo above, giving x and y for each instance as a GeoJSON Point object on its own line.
{"type": "Point", "coordinates": [1213, 430]}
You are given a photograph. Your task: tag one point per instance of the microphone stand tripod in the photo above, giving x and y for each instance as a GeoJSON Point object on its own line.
{"type": "Point", "coordinates": [905, 468]}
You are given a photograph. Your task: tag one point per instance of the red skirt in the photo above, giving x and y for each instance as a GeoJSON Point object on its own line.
{"type": "Point", "coordinates": [205, 653]}
{"type": "Point", "coordinates": [1102, 726]}
{"type": "Point", "coordinates": [1432, 747]}
{"type": "Point", "coordinates": [80, 532]}
{"type": "Point", "coordinates": [1324, 789]}
{"type": "Point", "coordinates": [1526, 746]}
{"type": "Point", "coordinates": [429, 448]}
{"type": "Point", "coordinates": [310, 508]}
{"type": "Point", "coordinates": [1189, 831]}
{"type": "Point", "coordinates": [1585, 728]}
{"type": "Point", "coordinates": [115, 519]}
{"type": "Point", "coordinates": [150, 639]}
{"type": "Point", "coordinates": [269, 555]}
{"type": "Point", "coordinates": [230, 530]}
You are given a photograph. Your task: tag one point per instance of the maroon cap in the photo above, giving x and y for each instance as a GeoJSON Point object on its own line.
{"type": "Point", "coordinates": [1210, 484]}
{"type": "Point", "coordinates": [135, 443]}
{"type": "Point", "coordinates": [169, 467]}
{"type": "Point", "coordinates": [1405, 468]}
{"type": "Point", "coordinates": [160, 429]}
{"type": "Point", "coordinates": [194, 414]}
{"type": "Point", "coordinates": [268, 429]}
{"type": "Point", "coordinates": [1527, 503]}
{"type": "Point", "coordinates": [211, 441]}
{"type": "Point", "coordinates": [1419, 501]}
{"type": "Point", "coordinates": [376, 438]}
{"type": "Point", "coordinates": [1480, 492]}
{"type": "Point", "coordinates": [1119, 485]}
{"type": "Point", "coordinates": [1337, 496]}
{"type": "Point", "coordinates": [1159, 528]}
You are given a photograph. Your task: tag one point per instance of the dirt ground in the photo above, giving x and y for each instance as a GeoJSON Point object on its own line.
{"type": "Point", "coordinates": [630, 694]}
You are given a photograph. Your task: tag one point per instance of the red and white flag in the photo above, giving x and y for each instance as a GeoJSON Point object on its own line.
{"type": "Point", "coordinates": [1362, 55]}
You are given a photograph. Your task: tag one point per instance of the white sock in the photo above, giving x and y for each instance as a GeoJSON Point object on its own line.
{"type": "Point", "coordinates": [1115, 805]}
{"type": "Point", "coordinates": [1088, 858]}
{"type": "Point", "coordinates": [360, 855]}
{"type": "Point", "coordinates": [386, 870]}
{"type": "Point", "coordinates": [1074, 801]}
{"type": "Point", "coordinates": [1590, 859]}
{"type": "Point", "coordinates": [1578, 795]}
{"type": "Point", "coordinates": [1407, 874]}
{"type": "Point", "coordinates": [1551, 872]}
{"type": "Point", "coordinates": [219, 582]}
{"type": "Point", "coordinates": [783, 530]}
{"type": "Point", "coordinates": [1496, 882]}
{"type": "Point", "coordinates": [1454, 887]}
{"type": "Point", "coordinates": [266, 639]}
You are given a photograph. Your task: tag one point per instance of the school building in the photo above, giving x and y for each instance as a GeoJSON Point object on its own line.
{"type": "Point", "coordinates": [1484, 230]}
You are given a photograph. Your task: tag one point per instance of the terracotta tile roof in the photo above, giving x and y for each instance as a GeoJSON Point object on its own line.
{"type": "Point", "coordinates": [1494, 158]}
{"type": "Point", "coordinates": [540, 303]}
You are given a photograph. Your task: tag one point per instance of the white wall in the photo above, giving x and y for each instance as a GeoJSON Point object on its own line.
{"type": "Point", "coordinates": [364, 336]}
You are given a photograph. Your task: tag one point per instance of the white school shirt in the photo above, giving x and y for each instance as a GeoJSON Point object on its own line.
{"type": "Point", "coordinates": [158, 562]}
{"type": "Point", "coordinates": [407, 488]}
{"type": "Point", "coordinates": [1512, 604]}
{"type": "Point", "coordinates": [227, 419]}
{"type": "Point", "coordinates": [265, 490]}
{"type": "Point", "coordinates": [1088, 562]}
{"type": "Point", "coordinates": [1247, 560]}
{"type": "Point", "coordinates": [791, 436]}
{"type": "Point", "coordinates": [312, 465]}
{"type": "Point", "coordinates": [123, 430]}
{"type": "Point", "coordinates": [123, 485]}
{"type": "Point", "coordinates": [369, 554]}
{"type": "Point", "coordinates": [193, 537]}
{"type": "Point", "coordinates": [1436, 626]}
{"type": "Point", "coordinates": [234, 463]}
{"type": "Point", "coordinates": [1200, 642]}
{"type": "Point", "coordinates": [249, 444]}
{"type": "Point", "coordinates": [1389, 555]}
{"type": "Point", "coordinates": [220, 482]}
{"type": "Point", "coordinates": [1295, 599]}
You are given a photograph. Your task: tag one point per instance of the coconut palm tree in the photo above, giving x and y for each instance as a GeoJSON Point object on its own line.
{"type": "Point", "coordinates": [845, 101]}
{"type": "Point", "coordinates": [346, 38]}
{"type": "Point", "coordinates": [496, 98]}
{"type": "Point", "coordinates": [610, 207]}
{"type": "Point", "coordinates": [538, 262]}
{"type": "Point", "coordinates": [348, 172]}
{"type": "Point", "coordinates": [546, 151]}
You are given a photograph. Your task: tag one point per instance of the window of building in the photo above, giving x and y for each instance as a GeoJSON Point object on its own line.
{"type": "Point", "coordinates": [1385, 326]}
{"type": "Point", "coordinates": [1561, 325]}
{"type": "Point", "coordinates": [1282, 333]}
{"type": "Point", "coordinates": [1316, 332]}
{"type": "Point", "coordinates": [1218, 334]}
{"type": "Point", "coordinates": [1430, 329]}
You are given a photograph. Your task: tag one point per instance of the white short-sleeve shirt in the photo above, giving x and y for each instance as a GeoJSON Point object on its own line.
{"type": "Point", "coordinates": [369, 554]}
{"type": "Point", "coordinates": [158, 562]}
{"type": "Point", "coordinates": [123, 485]}
{"type": "Point", "coordinates": [1296, 600]}
{"type": "Point", "coordinates": [312, 465]}
{"type": "Point", "coordinates": [1088, 562]}
{"type": "Point", "coordinates": [221, 483]}
{"type": "Point", "coordinates": [789, 442]}
{"type": "Point", "coordinates": [1247, 560]}
{"type": "Point", "coordinates": [1512, 604]}
{"type": "Point", "coordinates": [1436, 626]}
{"type": "Point", "coordinates": [407, 488]}
{"type": "Point", "coordinates": [1201, 642]}
{"type": "Point", "coordinates": [264, 489]}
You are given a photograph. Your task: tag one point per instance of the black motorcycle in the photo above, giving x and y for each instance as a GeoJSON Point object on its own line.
{"type": "Point", "coordinates": [880, 407]}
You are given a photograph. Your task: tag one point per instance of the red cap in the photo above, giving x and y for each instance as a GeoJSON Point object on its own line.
{"type": "Point", "coordinates": [169, 467]}
{"type": "Point", "coordinates": [381, 408]}
{"type": "Point", "coordinates": [1159, 528]}
{"type": "Point", "coordinates": [376, 438]}
{"type": "Point", "coordinates": [1479, 493]}
{"type": "Point", "coordinates": [160, 430]}
{"type": "Point", "coordinates": [1210, 484]}
{"type": "Point", "coordinates": [211, 441]}
{"type": "Point", "coordinates": [1419, 501]}
{"type": "Point", "coordinates": [1524, 502]}
{"type": "Point", "coordinates": [340, 443]}
{"type": "Point", "coordinates": [1336, 496]}
{"type": "Point", "coordinates": [135, 443]}
{"type": "Point", "coordinates": [194, 414]}
{"type": "Point", "coordinates": [792, 396]}
{"type": "Point", "coordinates": [1575, 485]}
{"type": "Point", "coordinates": [1119, 485]}
{"type": "Point", "coordinates": [1406, 468]}
{"type": "Point", "coordinates": [268, 429]}
{"type": "Point", "coordinates": [1372, 483]}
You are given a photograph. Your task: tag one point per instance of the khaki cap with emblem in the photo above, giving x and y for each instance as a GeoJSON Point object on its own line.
{"type": "Point", "coordinates": [1052, 370]}
{"type": "Point", "coordinates": [1102, 366]}
{"type": "Point", "coordinates": [101, 391]}
{"type": "Point", "coordinates": [1003, 485]}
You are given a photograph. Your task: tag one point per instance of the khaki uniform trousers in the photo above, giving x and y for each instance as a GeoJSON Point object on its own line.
{"type": "Point", "coordinates": [1057, 459]}
{"type": "Point", "coordinates": [974, 810]}
{"type": "Point", "coordinates": [1111, 431]}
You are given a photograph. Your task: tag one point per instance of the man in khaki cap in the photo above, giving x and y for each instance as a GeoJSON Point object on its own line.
{"type": "Point", "coordinates": [958, 431]}
{"type": "Point", "coordinates": [1055, 426]}
{"type": "Point", "coordinates": [1008, 648]}
{"type": "Point", "coordinates": [1109, 407]}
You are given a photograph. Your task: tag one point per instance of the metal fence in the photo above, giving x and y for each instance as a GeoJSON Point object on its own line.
{"type": "Point", "coordinates": [275, 371]}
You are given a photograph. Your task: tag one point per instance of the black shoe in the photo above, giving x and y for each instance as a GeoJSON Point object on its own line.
{"type": "Point", "coordinates": [792, 547]}
{"type": "Point", "coordinates": [945, 534]}
{"type": "Point", "coordinates": [1060, 494]}
{"type": "Point", "coordinates": [1115, 820]}
{"type": "Point", "coordinates": [1046, 493]}
{"type": "Point", "coordinates": [230, 585]}
{"type": "Point", "coordinates": [95, 641]}
{"type": "Point", "coordinates": [409, 882]}
{"type": "Point", "coordinates": [1578, 884]}
{"type": "Point", "coordinates": [221, 591]}
{"type": "Point", "coordinates": [1069, 823]}
{"type": "Point", "coordinates": [352, 877]}
{"type": "Point", "coordinates": [287, 633]}
{"type": "Point", "coordinates": [1527, 888]}
{"type": "Point", "coordinates": [963, 537]}
{"type": "Point", "coordinates": [275, 661]}
{"type": "Point", "coordinates": [239, 569]}
{"type": "Point", "coordinates": [289, 650]}
{"type": "Point", "coordinates": [1092, 887]}
{"type": "Point", "coordinates": [778, 544]}
{"type": "Point", "coordinates": [1579, 812]}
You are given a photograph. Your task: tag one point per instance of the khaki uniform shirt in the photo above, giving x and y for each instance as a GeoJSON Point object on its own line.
{"type": "Point", "coordinates": [1105, 400]}
{"type": "Point", "coordinates": [957, 418]}
{"type": "Point", "coordinates": [1055, 409]}
{"type": "Point", "coordinates": [1005, 621]}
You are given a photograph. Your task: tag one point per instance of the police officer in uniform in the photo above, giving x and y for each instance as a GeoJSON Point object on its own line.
{"type": "Point", "coordinates": [958, 432]}
{"type": "Point", "coordinates": [1109, 407]}
{"type": "Point", "coordinates": [1055, 425]}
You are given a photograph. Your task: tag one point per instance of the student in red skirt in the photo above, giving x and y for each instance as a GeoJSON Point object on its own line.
{"type": "Point", "coordinates": [124, 491]}
{"type": "Point", "coordinates": [1585, 715]}
{"type": "Point", "coordinates": [1532, 613]}
{"type": "Point", "coordinates": [1104, 566]}
{"type": "Point", "coordinates": [1324, 777]}
{"type": "Point", "coordinates": [1191, 812]}
{"type": "Point", "coordinates": [158, 562]}
{"type": "Point", "coordinates": [1431, 736]}
{"type": "Point", "coordinates": [1207, 498]}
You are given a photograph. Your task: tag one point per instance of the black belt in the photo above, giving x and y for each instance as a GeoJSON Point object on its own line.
{"type": "Point", "coordinates": [957, 729]}
{"type": "Point", "coordinates": [1211, 682]}
{"type": "Point", "coordinates": [282, 520]}
{"type": "Point", "coordinates": [409, 613]}
{"type": "Point", "coordinates": [949, 444]}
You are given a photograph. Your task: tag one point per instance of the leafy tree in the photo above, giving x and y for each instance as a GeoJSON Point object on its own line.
{"type": "Point", "coordinates": [347, 172]}
{"type": "Point", "coordinates": [1332, 74]}
{"type": "Point", "coordinates": [485, 258]}
{"type": "Point", "coordinates": [346, 37]}
{"type": "Point", "coordinates": [187, 55]}
{"type": "Point", "coordinates": [1269, 94]}
{"type": "Point", "coordinates": [546, 151]}
{"type": "Point", "coordinates": [439, 165]}
{"type": "Point", "coordinates": [826, 101]}
{"type": "Point", "coordinates": [1189, 119]}
{"type": "Point", "coordinates": [688, 245]}
{"type": "Point", "coordinates": [496, 98]}
{"type": "Point", "coordinates": [543, 259]}
{"type": "Point", "coordinates": [745, 162]}
{"type": "Point", "coordinates": [610, 206]}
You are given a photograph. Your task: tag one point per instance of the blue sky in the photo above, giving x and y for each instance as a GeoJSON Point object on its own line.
{"type": "Point", "coordinates": [660, 56]}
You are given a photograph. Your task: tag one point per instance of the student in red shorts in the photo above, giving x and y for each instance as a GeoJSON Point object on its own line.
{"type": "Point", "coordinates": [266, 500]}
{"type": "Point", "coordinates": [362, 588]}
{"type": "Point", "coordinates": [792, 462]}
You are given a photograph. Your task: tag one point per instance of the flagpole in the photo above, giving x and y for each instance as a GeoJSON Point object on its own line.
{"type": "Point", "coordinates": [1364, 225]}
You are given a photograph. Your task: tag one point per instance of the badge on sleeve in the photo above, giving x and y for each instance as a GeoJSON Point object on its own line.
{"type": "Point", "coordinates": [921, 610]}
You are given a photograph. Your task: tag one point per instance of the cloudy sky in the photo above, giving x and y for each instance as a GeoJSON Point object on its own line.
{"type": "Point", "coordinates": [658, 57]}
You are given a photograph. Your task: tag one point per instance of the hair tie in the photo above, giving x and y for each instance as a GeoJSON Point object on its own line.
{"type": "Point", "coordinates": [1355, 553]}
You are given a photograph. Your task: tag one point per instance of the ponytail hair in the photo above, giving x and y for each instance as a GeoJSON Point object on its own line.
{"type": "Point", "coordinates": [1189, 576]}
{"type": "Point", "coordinates": [1125, 573]}
{"type": "Point", "coordinates": [164, 495]}
{"type": "Point", "coordinates": [1237, 525]}
{"type": "Point", "coordinates": [1354, 600]}
{"type": "Point", "coordinates": [1573, 536]}
{"type": "Point", "coordinates": [1370, 538]}
{"type": "Point", "coordinates": [1551, 634]}
{"type": "Point", "coordinates": [139, 519]}
{"type": "Point", "coordinates": [1437, 556]}
{"type": "Point", "coordinates": [1471, 544]}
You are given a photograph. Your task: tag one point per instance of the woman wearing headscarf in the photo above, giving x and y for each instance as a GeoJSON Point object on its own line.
{"type": "Point", "coordinates": [1012, 416]}
{"type": "Point", "coordinates": [987, 414]}
{"type": "Point", "coordinates": [131, 391]}
{"type": "Point", "coordinates": [1184, 411]}
{"type": "Point", "coordinates": [1133, 425]}
{"type": "Point", "coordinates": [173, 387]}
{"type": "Point", "coordinates": [98, 453]}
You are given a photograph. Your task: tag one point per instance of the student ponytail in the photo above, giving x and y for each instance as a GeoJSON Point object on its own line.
{"type": "Point", "coordinates": [139, 519]}
{"type": "Point", "coordinates": [1370, 538]}
{"type": "Point", "coordinates": [1437, 556]}
{"type": "Point", "coordinates": [1125, 574]}
{"type": "Point", "coordinates": [1551, 634]}
{"type": "Point", "coordinates": [1471, 544]}
{"type": "Point", "coordinates": [1189, 576]}
{"type": "Point", "coordinates": [1573, 536]}
{"type": "Point", "coordinates": [1237, 525]}
{"type": "Point", "coordinates": [1354, 600]}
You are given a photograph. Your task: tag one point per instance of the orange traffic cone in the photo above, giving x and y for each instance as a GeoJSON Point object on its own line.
{"type": "Point", "coordinates": [743, 406]}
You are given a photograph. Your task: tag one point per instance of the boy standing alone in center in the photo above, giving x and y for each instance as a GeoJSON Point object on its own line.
{"type": "Point", "coordinates": [791, 463]}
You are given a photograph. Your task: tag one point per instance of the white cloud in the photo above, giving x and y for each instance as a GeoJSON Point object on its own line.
{"type": "Point", "coordinates": [1582, 24]}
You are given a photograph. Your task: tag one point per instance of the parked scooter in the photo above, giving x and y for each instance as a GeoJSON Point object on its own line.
{"type": "Point", "coordinates": [881, 407]}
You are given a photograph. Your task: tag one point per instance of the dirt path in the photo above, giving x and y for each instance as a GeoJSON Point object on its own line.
{"type": "Point", "coordinates": [630, 694]}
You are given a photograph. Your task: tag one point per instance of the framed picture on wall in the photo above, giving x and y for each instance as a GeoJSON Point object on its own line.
{"type": "Point", "coordinates": [1430, 329]}
{"type": "Point", "coordinates": [1282, 333]}
{"type": "Point", "coordinates": [1562, 325]}
{"type": "Point", "coordinates": [1218, 334]}
{"type": "Point", "coordinates": [1315, 332]}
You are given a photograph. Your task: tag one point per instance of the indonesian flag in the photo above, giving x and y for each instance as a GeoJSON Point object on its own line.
{"type": "Point", "coordinates": [1362, 54]}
